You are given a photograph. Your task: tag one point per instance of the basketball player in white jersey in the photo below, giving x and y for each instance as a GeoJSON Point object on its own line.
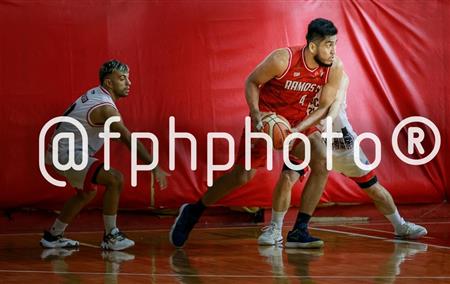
{"type": "Point", "coordinates": [92, 110]}
{"type": "Point", "coordinates": [343, 162]}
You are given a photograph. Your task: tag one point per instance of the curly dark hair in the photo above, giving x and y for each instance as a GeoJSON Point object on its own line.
{"type": "Point", "coordinates": [110, 66]}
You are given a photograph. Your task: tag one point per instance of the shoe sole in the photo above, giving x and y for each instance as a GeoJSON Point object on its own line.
{"type": "Point", "coordinates": [277, 243]}
{"type": "Point", "coordinates": [316, 244]}
{"type": "Point", "coordinates": [46, 244]}
{"type": "Point", "coordinates": [412, 237]}
{"type": "Point", "coordinates": [174, 224]}
{"type": "Point", "coordinates": [106, 247]}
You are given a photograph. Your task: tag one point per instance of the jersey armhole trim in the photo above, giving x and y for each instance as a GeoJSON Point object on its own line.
{"type": "Point", "coordinates": [88, 115]}
{"type": "Point", "coordinates": [288, 67]}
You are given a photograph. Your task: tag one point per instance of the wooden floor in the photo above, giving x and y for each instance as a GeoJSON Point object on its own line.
{"type": "Point", "coordinates": [353, 253]}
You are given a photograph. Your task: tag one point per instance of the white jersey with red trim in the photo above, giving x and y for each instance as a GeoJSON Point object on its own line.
{"type": "Point", "coordinates": [80, 110]}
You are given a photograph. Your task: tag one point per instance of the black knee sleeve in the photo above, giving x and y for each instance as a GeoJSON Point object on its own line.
{"type": "Point", "coordinates": [368, 183]}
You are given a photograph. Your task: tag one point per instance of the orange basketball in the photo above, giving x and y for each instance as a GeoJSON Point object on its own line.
{"type": "Point", "coordinates": [277, 127]}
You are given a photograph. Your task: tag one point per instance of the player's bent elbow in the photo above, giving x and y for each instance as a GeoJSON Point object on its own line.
{"type": "Point", "coordinates": [250, 82]}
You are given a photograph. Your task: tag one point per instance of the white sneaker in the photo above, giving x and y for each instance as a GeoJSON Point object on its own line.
{"type": "Point", "coordinates": [50, 241]}
{"type": "Point", "coordinates": [116, 240]}
{"type": "Point", "coordinates": [410, 231]}
{"type": "Point", "coordinates": [271, 236]}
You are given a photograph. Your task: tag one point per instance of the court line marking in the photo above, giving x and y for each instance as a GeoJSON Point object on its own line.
{"type": "Point", "coordinates": [312, 228]}
{"type": "Point", "coordinates": [374, 237]}
{"type": "Point", "coordinates": [134, 231]}
{"type": "Point", "coordinates": [348, 233]}
{"type": "Point", "coordinates": [375, 230]}
{"type": "Point", "coordinates": [433, 209]}
{"type": "Point", "coordinates": [387, 223]}
{"type": "Point", "coordinates": [212, 228]}
{"type": "Point", "coordinates": [89, 245]}
{"type": "Point", "coordinates": [225, 275]}
{"type": "Point", "coordinates": [130, 231]}
{"type": "Point", "coordinates": [209, 228]}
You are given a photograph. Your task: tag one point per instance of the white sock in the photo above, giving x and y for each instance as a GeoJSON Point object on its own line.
{"type": "Point", "coordinates": [110, 222]}
{"type": "Point", "coordinates": [277, 218]}
{"type": "Point", "coordinates": [395, 219]}
{"type": "Point", "coordinates": [58, 228]}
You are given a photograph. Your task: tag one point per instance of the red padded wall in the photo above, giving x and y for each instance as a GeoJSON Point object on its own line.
{"type": "Point", "coordinates": [190, 59]}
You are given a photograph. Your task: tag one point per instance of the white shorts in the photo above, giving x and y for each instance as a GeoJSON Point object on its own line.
{"type": "Point", "coordinates": [344, 163]}
{"type": "Point", "coordinates": [77, 179]}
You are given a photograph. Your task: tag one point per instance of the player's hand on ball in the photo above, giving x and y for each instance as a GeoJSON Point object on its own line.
{"type": "Point", "coordinates": [161, 177]}
{"type": "Point", "coordinates": [256, 120]}
{"type": "Point", "coordinates": [296, 128]}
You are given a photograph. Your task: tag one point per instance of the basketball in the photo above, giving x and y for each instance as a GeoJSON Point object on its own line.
{"type": "Point", "coordinates": [277, 127]}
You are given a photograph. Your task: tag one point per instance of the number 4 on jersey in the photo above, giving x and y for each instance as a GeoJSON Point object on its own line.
{"type": "Point", "coordinates": [302, 100]}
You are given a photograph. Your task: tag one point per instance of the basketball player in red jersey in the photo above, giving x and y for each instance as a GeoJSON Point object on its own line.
{"type": "Point", "coordinates": [287, 82]}
{"type": "Point", "coordinates": [344, 163]}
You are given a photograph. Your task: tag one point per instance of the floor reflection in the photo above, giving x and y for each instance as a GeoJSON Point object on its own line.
{"type": "Point", "coordinates": [181, 266]}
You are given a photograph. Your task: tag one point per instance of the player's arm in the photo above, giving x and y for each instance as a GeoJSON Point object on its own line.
{"type": "Point", "coordinates": [340, 96]}
{"type": "Point", "coordinates": [272, 66]}
{"type": "Point", "coordinates": [101, 114]}
{"type": "Point", "coordinates": [329, 93]}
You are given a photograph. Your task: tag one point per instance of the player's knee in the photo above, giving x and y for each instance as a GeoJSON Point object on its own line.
{"type": "Point", "coordinates": [288, 178]}
{"type": "Point", "coordinates": [318, 157]}
{"type": "Point", "coordinates": [242, 177]}
{"type": "Point", "coordinates": [318, 165]}
{"type": "Point", "coordinates": [116, 179]}
{"type": "Point", "coordinates": [86, 195]}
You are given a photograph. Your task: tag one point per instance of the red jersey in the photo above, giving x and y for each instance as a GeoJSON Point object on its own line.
{"type": "Point", "coordinates": [295, 93]}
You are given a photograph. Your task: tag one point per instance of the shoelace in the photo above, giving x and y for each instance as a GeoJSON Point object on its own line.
{"type": "Point", "coordinates": [403, 229]}
{"type": "Point", "coordinates": [301, 232]}
{"type": "Point", "coordinates": [410, 227]}
{"type": "Point", "coordinates": [60, 238]}
{"type": "Point", "coordinates": [119, 236]}
{"type": "Point", "coordinates": [270, 227]}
